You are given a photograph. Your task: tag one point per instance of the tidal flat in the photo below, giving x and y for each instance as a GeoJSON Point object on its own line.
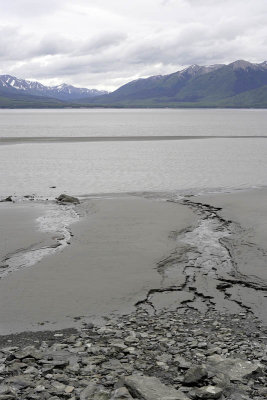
{"type": "Point", "coordinates": [169, 287]}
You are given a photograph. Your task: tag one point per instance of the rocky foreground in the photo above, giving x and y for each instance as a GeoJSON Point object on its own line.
{"type": "Point", "coordinates": [169, 356]}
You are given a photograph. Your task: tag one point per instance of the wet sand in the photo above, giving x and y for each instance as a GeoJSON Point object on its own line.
{"type": "Point", "coordinates": [246, 216]}
{"type": "Point", "coordinates": [109, 265]}
{"type": "Point", "coordinates": [249, 210]}
{"type": "Point", "coordinates": [207, 253]}
{"type": "Point", "coordinates": [18, 227]}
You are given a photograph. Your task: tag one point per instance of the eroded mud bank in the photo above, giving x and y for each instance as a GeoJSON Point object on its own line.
{"type": "Point", "coordinates": [207, 262]}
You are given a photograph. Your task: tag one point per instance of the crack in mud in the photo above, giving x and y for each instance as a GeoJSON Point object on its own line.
{"type": "Point", "coordinates": [204, 265]}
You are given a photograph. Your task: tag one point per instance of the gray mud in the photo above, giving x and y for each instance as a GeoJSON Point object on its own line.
{"type": "Point", "coordinates": [205, 272]}
{"type": "Point", "coordinates": [198, 331]}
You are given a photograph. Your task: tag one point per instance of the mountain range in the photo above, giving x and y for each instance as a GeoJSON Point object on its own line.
{"type": "Point", "coordinates": [239, 84]}
{"type": "Point", "coordinates": [12, 86]}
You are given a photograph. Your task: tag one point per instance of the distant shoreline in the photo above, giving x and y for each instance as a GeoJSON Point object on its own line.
{"type": "Point", "coordinates": [68, 139]}
{"type": "Point", "coordinates": [131, 107]}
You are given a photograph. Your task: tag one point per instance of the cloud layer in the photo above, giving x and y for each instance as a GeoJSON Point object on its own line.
{"type": "Point", "coordinates": [107, 43]}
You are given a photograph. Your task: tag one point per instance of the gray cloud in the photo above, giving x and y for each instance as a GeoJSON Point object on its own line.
{"type": "Point", "coordinates": [29, 8]}
{"type": "Point", "coordinates": [109, 42]}
{"type": "Point", "coordinates": [102, 42]}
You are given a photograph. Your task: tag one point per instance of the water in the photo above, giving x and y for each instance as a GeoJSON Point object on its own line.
{"type": "Point", "coordinates": [112, 122]}
{"type": "Point", "coordinates": [105, 167]}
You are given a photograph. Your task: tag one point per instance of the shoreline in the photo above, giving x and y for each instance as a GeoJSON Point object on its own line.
{"type": "Point", "coordinates": [86, 139]}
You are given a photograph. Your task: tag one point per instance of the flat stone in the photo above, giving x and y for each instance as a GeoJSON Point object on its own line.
{"type": "Point", "coordinates": [151, 388]}
{"type": "Point", "coordinates": [195, 375]}
{"type": "Point", "coordinates": [31, 370]}
{"type": "Point", "coordinates": [182, 363]}
{"type": "Point", "coordinates": [121, 394]}
{"type": "Point", "coordinates": [58, 385]}
{"type": "Point", "coordinates": [20, 383]}
{"type": "Point", "coordinates": [64, 198]}
{"type": "Point", "coordinates": [236, 369]}
{"type": "Point", "coordinates": [69, 389]}
{"type": "Point", "coordinates": [209, 392]}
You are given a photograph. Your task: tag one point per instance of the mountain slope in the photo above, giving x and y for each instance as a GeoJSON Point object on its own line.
{"type": "Point", "coordinates": [239, 84]}
{"type": "Point", "coordinates": [13, 85]}
{"type": "Point", "coordinates": [227, 81]}
{"type": "Point", "coordinates": [256, 98]}
{"type": "Point", "coordinates": [21, 100]}
{"type": "Point", "coordinates": [195, 84]}
{"type": "Point", "coordinates": [156, 86]}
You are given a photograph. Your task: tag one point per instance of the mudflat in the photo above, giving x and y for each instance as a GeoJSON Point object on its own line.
{"type": "Point", "coordinates": [18, 227]}
{"type": "Point", "coordinates": [109, 265]}
{"type": "Point", "coordinates": [244, 212]}
{"type": "Point", "coordinates": [248, 210]}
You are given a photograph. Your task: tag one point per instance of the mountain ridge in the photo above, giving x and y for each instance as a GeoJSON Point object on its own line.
{"type": "Point", "coordinates": [11, 84]}
{"type": "Point", "coordinates": [193, 84]}
{"type": "Point", "coordinates": [239, 84]}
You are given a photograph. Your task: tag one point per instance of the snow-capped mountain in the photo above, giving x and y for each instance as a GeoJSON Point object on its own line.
{"type": "Point", "coordinates": [11, 84]}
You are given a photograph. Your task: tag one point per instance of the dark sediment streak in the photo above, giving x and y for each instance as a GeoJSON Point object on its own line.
{"type": "Point", "coordinates": [69, 139]}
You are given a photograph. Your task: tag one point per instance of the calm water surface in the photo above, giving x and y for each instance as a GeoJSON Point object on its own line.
{"type": "Point", "coordinates": [86, 168]}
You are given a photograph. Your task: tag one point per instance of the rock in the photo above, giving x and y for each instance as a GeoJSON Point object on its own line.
{"type": "Point", "coordinates": [88, 392]}
{"type": "Point", "coordinates": [151, 388]}
{"type": "Point", "coordinates": [64, 198]}
{"type": "Point", "coordinates": [121, 394]}
{"type": "Point", "coordinates": [69, 389]}
{"type": "Point", "coordinates": [4, 389]}
{"type": "Point", "coordinates": [208, 392]}
{"type": "Point", "coordinates": [195, 374]}
{"type": "Point", "coordinates": [223, 285]}
{"type": "Point", "coordinates": [28, 352]}
{"type": "Point", "coordinates": [9, 198]}
{"type": "Point", "coordinates": [20, 383]}
{"type": "Point", "coordinates": [102, 395]}
{"type": "Point", "coordinates": [94, 392]}
{"type": "Point", "coordinates": [40, 388]}
{"type": "Point", "coordinates": [58, 386]}
{"type": "Point", "coordinates": [236, 369]}
{"type": "Point", "coordinates": [31, 370]}
{"type": "Point", "coordinates": [182, 363]}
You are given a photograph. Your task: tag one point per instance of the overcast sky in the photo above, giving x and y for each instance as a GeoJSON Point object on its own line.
{"type": "Point", "coordinates": [106, 43]}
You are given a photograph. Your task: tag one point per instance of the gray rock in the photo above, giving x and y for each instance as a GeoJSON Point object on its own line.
{"type": "Point", "coordinates": [236, 369]}
{"type": "Point", "coordinates": [89, 391]}
{"type": "Point", "coordinates": [94, 392]}
{"type": "Point", "coordinates": [4, 389]}
{"type": "Point", "coordinates": [195, 375]}
{"type": "Point", "coordinates": [31, 370]}
{"type": "Point", "coordinates": [151, 388]}
{"type": "Point", "coordinates": [20, 383]}
{"type": "Point", "coordinates": [208, 392]}
{"type": "Point", "coordinates": [182, 363]}
{"type": "Point", "coordinates": [121, 394]}
{"type": "Point", "coordinates": [64, 198]}
{"type": "Point", "coordinates": [9, 198]}
{"type": "Point", "coordinates": [28, 352]}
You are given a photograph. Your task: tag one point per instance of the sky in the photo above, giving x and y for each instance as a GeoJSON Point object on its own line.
{"type": "Point", "coordinates": [104, 44]}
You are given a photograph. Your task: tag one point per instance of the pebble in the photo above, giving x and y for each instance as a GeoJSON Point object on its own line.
{"type": "Point", "coordinates": [143, 356]}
